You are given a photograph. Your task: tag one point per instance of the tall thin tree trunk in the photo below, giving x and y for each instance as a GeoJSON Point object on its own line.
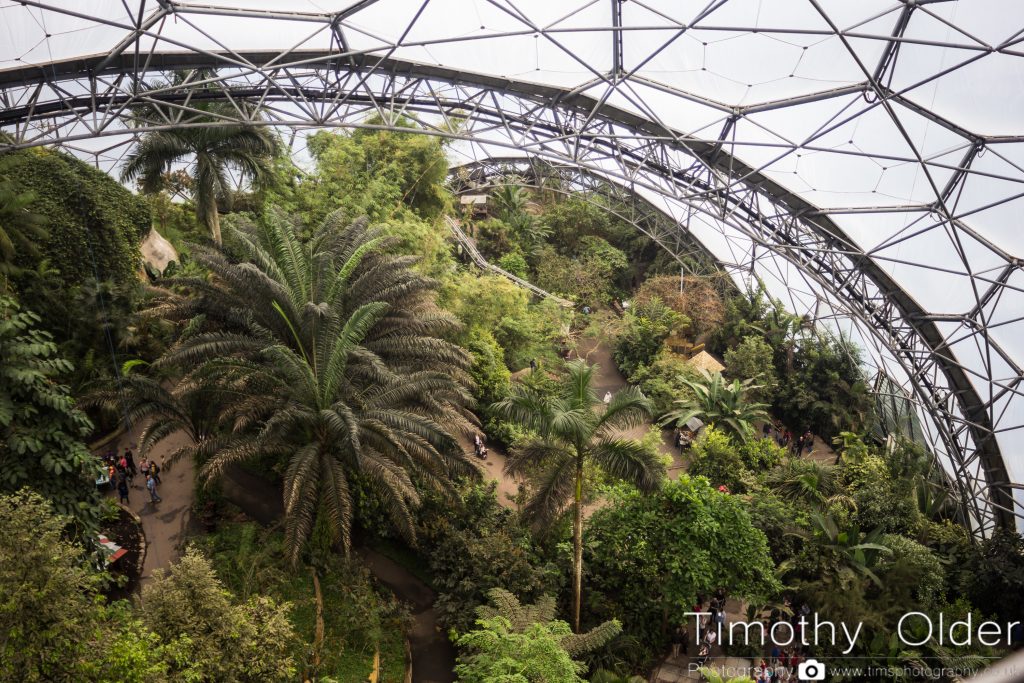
{"type": "Point", "coordinates": [215, 223]}
{"type": "Point", "coordinates": [577, 540]}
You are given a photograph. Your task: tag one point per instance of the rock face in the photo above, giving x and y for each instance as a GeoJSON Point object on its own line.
{"type": "Point", "coordinates": [157, 251]}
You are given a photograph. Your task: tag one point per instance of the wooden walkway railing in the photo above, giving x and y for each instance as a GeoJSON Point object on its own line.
{"type": "Point", "coordinates": [470, 246]}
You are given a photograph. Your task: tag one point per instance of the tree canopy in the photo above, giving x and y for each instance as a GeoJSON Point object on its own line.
{"type": "Point", "coordinates": [649, 555]}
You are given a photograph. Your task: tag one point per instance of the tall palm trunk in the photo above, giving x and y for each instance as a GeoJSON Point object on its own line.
{"type": "Point", "coordinates": [206, 195]}
{"type": "Point", "coordinates": [577, 541]}
{"type": "Point", "coordinates": [214, 222]}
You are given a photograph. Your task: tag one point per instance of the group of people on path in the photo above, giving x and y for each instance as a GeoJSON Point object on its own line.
{"type": "Point", "coordinates": [709, 626]}
{"type": "Point", "coordinates": [479, 447]}
{"type": "Point", "coordinates": [784, 438]}
{"type": "Point", "coordinates": [121, 472]}
{"type": "Point", "coordinates": [781, 666]}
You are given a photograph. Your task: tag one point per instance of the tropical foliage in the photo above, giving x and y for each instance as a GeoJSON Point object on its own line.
{"type": "Point", "coordinates": [206, 636]}
{"type": "Point", "coordinates": [725, 405]}
{"type": "Point", "coordinates": [518, 643]}
{"type": "Point", "coordinates": [58, 627]}
{"type": "Point", "coordinates": [21, 229]}
{"type": "Point", "coordinates": [41, 430]}
{"type": "Point", "coordinates": [645, 329]}
{"type": "Point", "coordinates": [217, 156]}
{"type": "Point", "coordinates": [327, 355]}
{"type": "Point", "coordinates": [575, 431]}
{"type": "Point", "coordinates": [650, 555]}
{"type": "Point", "coordinates": [93, 223]}
{"type": "Point", "coordinates": [473, 545]}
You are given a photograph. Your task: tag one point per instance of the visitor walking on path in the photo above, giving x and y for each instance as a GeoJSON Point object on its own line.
{"type": "Point", "coordinates": [122, 490]}
{"type": "Point", "coordinates": [151, 485]}
{"type": "Point", "coordinates": [154, 470]}
{"type": "Point", "coordinates": [129, 458]}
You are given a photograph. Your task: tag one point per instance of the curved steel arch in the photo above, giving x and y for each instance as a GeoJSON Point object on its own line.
{"type": "Point", "coordinates": [90, 98]}
{"type": "Point", "coordinates": [652, 221]}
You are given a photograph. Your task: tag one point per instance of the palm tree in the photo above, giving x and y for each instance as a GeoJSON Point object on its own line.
{"type": "Point", "coordinates": [575, 429]}
{"type": "Point", "coordinates": [723, 404]}
{"type": "Point", "coordinates": [510, 199]}
{"type": "Point", "coordinates": [329, 355]}
{"type": "Point", "coordinates": [214, 150]}
{"type": "Point", "coordinates": [805, 480]}
{"type": "Point", "coordinates": [166, 410]}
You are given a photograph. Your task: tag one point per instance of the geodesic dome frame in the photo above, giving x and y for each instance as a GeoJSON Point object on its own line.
{"type": "Point", "coordinates": [913, 253]}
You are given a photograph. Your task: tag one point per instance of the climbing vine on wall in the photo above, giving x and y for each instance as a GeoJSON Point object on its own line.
{"type": "Point", "coordinates": [94, 223]}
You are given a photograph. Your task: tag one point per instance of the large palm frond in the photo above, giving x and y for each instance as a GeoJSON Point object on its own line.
{"type": "Point", "coordinates": [316, 360]}
{"type": "Point", "coordinates": [719, 402]}
{"type": "Point", "coordinates": [629, 461]}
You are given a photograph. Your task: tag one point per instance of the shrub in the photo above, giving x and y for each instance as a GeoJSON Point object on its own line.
{"type": "Point", "coordinates": [717, 457]}
{"type": "Point", "coordinates": [662, 381]}
{"type": "Point", "coordinates": [761, 454]}
{"type": "Point", "coordinates": [207, 635]}
{"type": "Point", "coordinates": [488, 370]}
{"type": "Point", "coordinates": [915, 565]}
{"type": "Point", "coordinates": [513, 262]}
{"type": "Point", "coordinates": [645, 329]}
{"type": "Point", "coordinates": [474, 545]}
{"type": "Point", "coordinates": [753, 359]}
{"type": "Point", "coordinates": [648, 556]}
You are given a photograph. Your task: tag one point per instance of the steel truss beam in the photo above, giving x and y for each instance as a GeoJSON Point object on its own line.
{"type": "Point", "coordinates": [78, 100]}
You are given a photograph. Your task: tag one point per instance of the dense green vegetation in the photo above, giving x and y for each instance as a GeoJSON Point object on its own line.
{"type": "Point", "coordinates": [187, 627]}
{"type": "Point", "coordinates": [570, 436]}
{"type": "Point", "coordinates": [41, 430]}
{"type": "Point", "coordinates": [335, 347]}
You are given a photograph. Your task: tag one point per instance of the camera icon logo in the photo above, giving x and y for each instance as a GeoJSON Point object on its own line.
{"type": "Point", "coordinates": [811, 670]}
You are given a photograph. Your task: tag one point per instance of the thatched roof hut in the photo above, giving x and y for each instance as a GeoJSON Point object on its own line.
{"type": "Point", "coordinates": [705, 361]}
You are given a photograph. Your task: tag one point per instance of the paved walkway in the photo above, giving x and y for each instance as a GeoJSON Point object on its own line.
{"type": "Point", "coordinates": [164, 524]}
{"type": "Point", "coordinates": [493, 469]}
{"type": "Point", "coordinates": [610, 378]}
{"type": "Point", "coordinates": [433, 655]}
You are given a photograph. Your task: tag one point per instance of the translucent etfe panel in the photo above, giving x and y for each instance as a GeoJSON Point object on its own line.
{"type": "Point", "coordinates": [686, 116]}
{"type": "Point", "coordinates": [741, 52]}
{"type": "Point", "coordinates": [32, 35]}
{"type": "Point", "coordinates": [874, 230]}
{"type": "Point", "coordinates": [310, 6]}
{"type": "Point", "coordinates": [1004, 317]}
{"type": "Point", "coordinates": [991, 200]}
{"type": "Point", "coordinates": [961, 79]}
{"type": "Point", "coordinates": [985, 370]}
{"type": "Point", "coordinates": [1009, 411]}
{"type": "Point", "coordinates": [238, 34]}
{"type": "Point", "coordinates": [565, 44]}
{"type": "Point", "coordinates": [945, 270]}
